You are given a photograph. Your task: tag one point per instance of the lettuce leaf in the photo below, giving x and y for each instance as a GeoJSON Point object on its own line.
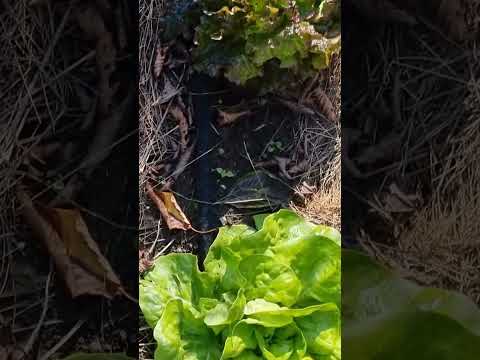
{"type": "Point", "coordinates": [180, 334]}
{"type": "Point", "coordinates": [248, 39]}
{"type": "Point", "coordinates": [271, 293]}
{"type": "Point", "coordinates": [175, 276]}
{"type": "Point", "coordinates": [387, 317]}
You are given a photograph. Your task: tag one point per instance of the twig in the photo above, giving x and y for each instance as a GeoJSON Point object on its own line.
{"type": "Point", "coordinates": [63, 340]}
{"type": "Point", "coordinates": [33, 337]}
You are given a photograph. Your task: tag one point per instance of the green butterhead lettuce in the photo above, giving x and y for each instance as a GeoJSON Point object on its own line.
{"type": "Point", "coordinates": [181, 334]}
{"type": "Point", "coordinates": [176, 276]}
{"type": "Point", "coordinates": [387, 317]}
{"type": "Point", "coordinates": [271, 293]}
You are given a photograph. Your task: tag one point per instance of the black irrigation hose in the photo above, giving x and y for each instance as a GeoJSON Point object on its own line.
{"type": "Point", "coordinates": [204, 96]}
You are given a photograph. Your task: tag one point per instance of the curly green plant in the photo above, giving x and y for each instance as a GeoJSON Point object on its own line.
{"type": "Point", "coordinates": [270, 43]}
{"type": "Point", "coordinates": [248, 39]}
{"type": "Point", "coordinates": [272, 293]}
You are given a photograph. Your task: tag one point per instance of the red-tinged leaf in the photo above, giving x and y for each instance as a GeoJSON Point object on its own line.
{"type": "Point", "coordinates": [169, 208]}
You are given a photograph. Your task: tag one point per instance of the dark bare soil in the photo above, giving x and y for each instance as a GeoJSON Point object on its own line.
{"type": "Point", "coordinates": [237, 150]}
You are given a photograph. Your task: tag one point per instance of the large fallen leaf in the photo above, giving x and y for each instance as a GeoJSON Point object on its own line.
{"type": "Point", "coordinates": [169, 208]}
{"type": "Point", "coordinates": [77, 256]}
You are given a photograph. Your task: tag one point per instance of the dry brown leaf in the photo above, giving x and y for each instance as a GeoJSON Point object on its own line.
{"type": "Point", "coordinates": [144, 261]}
{"type": "Point", "coordinates": [323, 104]}
{"type": "Point", "coordinates": [227, 118]}
{"type": "Point", "coordinates": [282, 163]}
{"type": "Point", "coordinates": [76, 255]}
{"type": "Point", "coordinates": [386, 150]}
{"type": "Point", "coordinates": [297, 107]}
{"type": "Point", "coordinates": [93, 25]}
{"type": "Point", "coordinates": [183, 126]}
{"type": "Point", "coordinates": [298, 168]}
{"type": "Point", "coordinates": [160, 58]}
{"type": "Point", "coordinates": [169, 208]}
{"type": "Point", "coordinates": [394, 204]}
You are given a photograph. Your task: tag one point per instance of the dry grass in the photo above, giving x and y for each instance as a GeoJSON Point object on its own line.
{"type": "Point", "coordinates": [35, 87]}
{"type": "Point", "coordinates": [30, 94]}
{"type": "Point", "coordinates": [324, 205]}
{"type": "Point", "coordinates": [49, 87]}
{"type": "Point", "coordinates": [439, 245]}
{"type": "Point", "coordinates": [33, 90]}
{"type": "Point", "coordinates": [444, 239]}
{"type": "Point", "coordinates": [319, 140]}
{"type": "Point", "coordinates": [157, 140]}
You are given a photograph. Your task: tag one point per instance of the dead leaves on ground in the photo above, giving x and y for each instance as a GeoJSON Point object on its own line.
{"type": "Point", "coordinates": [226, 118]}
{"type": "Point", "coordinates": [94, 27]}
{"type": "Point", "coordinates": [145, 261]}
{"type": "Point", "coordinates": [171, 212]}
{"type": "Point", "coordinates": [106, 112]}
{"type": "Point", "coordinates": [288, 168]}
{"type": "Point", "coordinates": [160, 60]}
{"type": "Point", "coordinates": [76, 255]}
{"type": "Point", "coordinates": [185, 147]}
{"type": "Point", "coordinates": [183, 126]}
{"type": "Point", "coordinates": [231, 114]}
{"type": "Point", "coordinates": [322, 103]}
{"type": "Point", "coordinates": [297, 107]}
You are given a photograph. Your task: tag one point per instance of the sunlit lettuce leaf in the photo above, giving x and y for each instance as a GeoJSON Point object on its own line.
{"type": "Point", "coordinates": [307, 252]}
{"type": "Point", "coordinates": [182, 335]}
{"type": "Point", "coordinates": [270, 279]}
{"type": "Point", "coordinates": [226, 313]}
{"type": "Point", "coordinates": [281, 343]}
{"type": "Point", "coordinates": [249, 39]}
{"type": "Point", "coordinates": [265, 293]}
{"type": "Point", "coordinates": [322, 331]}
{"type": "Point", "coordinates": [385, 316]}
{"type": "Point", "coordinates": [175, 276]}
{"type": "Point", "coordinates": [240, 339]}
{"type": "Point", "coordinates": [271, 315]}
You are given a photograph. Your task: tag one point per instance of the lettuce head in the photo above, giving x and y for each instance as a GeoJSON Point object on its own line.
{"type": "Point", "coordinates": [267, 293]}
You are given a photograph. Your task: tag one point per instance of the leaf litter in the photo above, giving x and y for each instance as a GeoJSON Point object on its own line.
{"type": "Point", "coordinates": [169, 209]}
{"type": "Point", "coordinates": [77, 256]}
{"type": "Point", "coordinates": [422, 205]}
{"type": "Point", "coordinates": [66, 55]}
